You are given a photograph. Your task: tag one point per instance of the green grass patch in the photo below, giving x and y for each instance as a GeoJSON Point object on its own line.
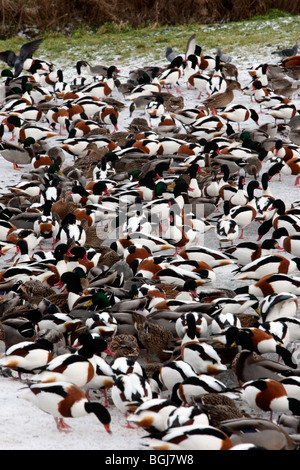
{"type": "Point", "coordinates": [276, 30]}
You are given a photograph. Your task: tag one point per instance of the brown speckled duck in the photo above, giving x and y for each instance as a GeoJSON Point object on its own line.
{"type": "Point", "coordinates": [219, 408]}
{"type": "Point", "coordinates": [155, 338]}
{"type": "Point", "coordinates": [124, 345]}
{"type": "Point", "coordinates": [221, 99]}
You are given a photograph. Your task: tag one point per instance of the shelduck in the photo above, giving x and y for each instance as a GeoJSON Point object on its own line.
{"type": "Point", "coordinates": [243, 215]}
{"type": "Point", "coordinates": [78, 367]}
{"type": "Point", "coordinates": [282, 218]}
{"type": "Point", "coordinates": [191, 66]}
{"type": "Point", "coordinates": [201, 325]}
{"type": "Point", "coordinates": [248, 251]}
{"type": "Point", "coordinates": [192, 437]}
{"type": "Point", "coordinates": [61, 322]}
{"type": "Point", "coordinates": [283, 111]}
{"type": "Point", "coordinates": [293, 328]}
{"type": "Point", "coordinates": [239, 113]}
{"type": "Point", "coordinates": [279, 330]}
{"type": "Point", "coordinates": [155, 108]}
{"type": "Point", "coordinates": [102, 323]}
{"type": "Point", "coordinates": [270, 264]}
{"type": "Point", "coordinates": [129, 392]}
{"type": "Point", "coordinates": [145, 90]}
{"type": "Point", "coordinates": [65, 400]}
{"type": "Point", "coordinates": [153, 415]}
{"type": "Point", "coordinates": [201, 82]}
{"type": "Point", "coordinates": [126, 365]}
{"type": "Point", "coordinates": [221, 321]}
{"type": "Point", "coordinates": [218, 81]}
{"type": "Point", "coordinates": [240, 196]}
{"type": "Point", "coordinates": [69, 228]}
{"type": "Point", "coordinates": [26, 356]}
{"type": "Point", "coordinates": [270, 396]}
{"type": "Point", "coordinates": [275, 306]}
{"type": "Point", "coordinates": [272, 284]}
{"type": "Point", "coordinates": [174, 372]}
{"type": "Point", "coordinates": [292, 167]}
{"type": "Point", "coordinates": [190, 390]}
{"type": "Point", "coordinates": [259, 341]}
{"type": "Point", "coordinates": [291, 385]}
{"type": "Point", "coordinates": [235, 305]}
{"type": "Point", "coordinates": [289, 243]}
{"type": "Point", "coordinates": [227, 229]}
{"type": "Point", "coordinates": [212, 257]}
{"type": "Point", "coordinates": [183, 415]}
{"type": "Point", "coordinates": [172, 74]}
{"type": "Point", "coordinates": [201, 356]}
{"type": "Point", "coordinates": [103, 89]}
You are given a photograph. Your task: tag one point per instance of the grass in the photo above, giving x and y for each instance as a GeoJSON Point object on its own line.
{"type": "Point", "coordinates": [276, 30]}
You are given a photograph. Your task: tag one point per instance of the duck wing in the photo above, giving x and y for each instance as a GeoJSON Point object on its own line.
{"type": "Point", "coordinates": [29, 48]}
{"type": "Point", "coordinates": [9, 57]}
{"type": "Point", "coordinates": [190, 46]}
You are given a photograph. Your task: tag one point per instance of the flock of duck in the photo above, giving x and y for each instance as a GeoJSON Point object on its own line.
{"type": "Point", "coordinates": [112, 244]}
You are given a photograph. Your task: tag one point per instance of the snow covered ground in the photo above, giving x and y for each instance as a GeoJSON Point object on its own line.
{"type": "Point", "coordinates": [24, 427]}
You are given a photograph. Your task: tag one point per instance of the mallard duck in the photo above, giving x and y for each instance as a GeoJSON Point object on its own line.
{"type": "Point", "coordinates": [64, 206]}
{"type": "Point", "coordinates": [221, 99]}
{"type": "Point", "coordinates": [35, 291]}
{"type": "Point", "coordinates": [16, 154]}
{"type": "Point", "coordinates": [155, 338]}
{"type": "Point", "coordinates": [219, 408]}
{"type": "Point", "coordinates": [260, 432]}
{"type": "Point", "coordinates": [124, 345]}
{"type": "Point", "coordinates": [16, 330]}
{"type": "Point", "coordinates": [249, 365]}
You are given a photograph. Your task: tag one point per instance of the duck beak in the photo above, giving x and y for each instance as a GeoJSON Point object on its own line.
{"type": "Point", "coordinates": [107, 428]}
{"type": "Point", "coordinates": [70, 254]}
{"type": "Point", "coordinates": [109, 352]}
